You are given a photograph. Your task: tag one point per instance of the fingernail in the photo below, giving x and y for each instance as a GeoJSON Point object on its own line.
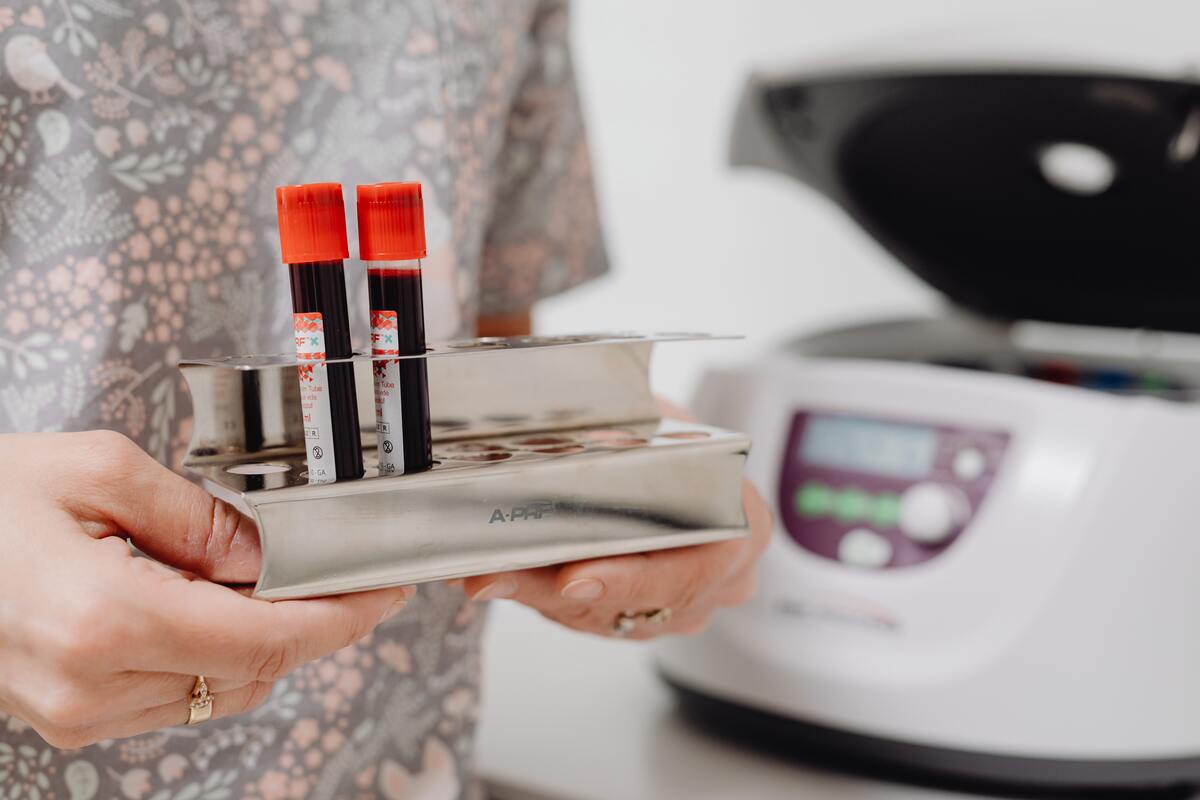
{"type": "Point", "coordinates": [396, 608]}
{"type": "Point", "coordinates": [584, 589]}
{"type": "Point", "coordinates": [497, 590]}
{"type": "Point", "coordinates": [409, 592]}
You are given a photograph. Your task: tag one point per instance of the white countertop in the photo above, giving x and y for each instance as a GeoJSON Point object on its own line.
{"type": "Point", "coordinates": [567, 716]}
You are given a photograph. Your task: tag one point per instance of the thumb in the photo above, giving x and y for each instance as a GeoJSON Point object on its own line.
{"type": "Point", "coordinates": [166, 517]}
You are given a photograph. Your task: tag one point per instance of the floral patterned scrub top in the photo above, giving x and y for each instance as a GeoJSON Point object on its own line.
{"type": "Point", "coordinates": [140, 144]}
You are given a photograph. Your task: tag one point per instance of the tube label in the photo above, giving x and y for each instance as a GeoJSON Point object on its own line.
{"type": "Point", "coordinates": [314, 397]}
{"type": "Point", "coordinates": [389, 408]}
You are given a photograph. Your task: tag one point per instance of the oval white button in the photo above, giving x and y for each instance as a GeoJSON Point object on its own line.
{"type": "Point", "coordinates": [929, 512]}
{"type": "Point", "coordinates": [864, 548]}
{"type": "Point", "coordinates": [969, 464]}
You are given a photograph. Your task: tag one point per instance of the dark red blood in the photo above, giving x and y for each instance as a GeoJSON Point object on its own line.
{"type": "Point", "coordinates": [321, 287]}
{"type": "Point", "coordinates": [399, 290]}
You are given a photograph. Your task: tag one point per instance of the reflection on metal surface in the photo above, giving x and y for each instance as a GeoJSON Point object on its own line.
{"type": "Point", "coordinates": [249, 405]}
{"type": "Point", "coordinates": [257, 469]}
{"type": "Point", "coordinates": [686, 435]}
{"type": "Point", "coordinates": [244, 413]}
{"type": "Point", "coordinates": [546, 451]}
{"type": "Point", "coordinates": [605, 435]}
{"type": "Point", "coordinates": [501, 456]}
{"type": "Point", "coordinates": [565, 450]}
{"type": "Point", "coordinates": [473, 447]}
{"type": "Point", "coordinates": [466, 347]}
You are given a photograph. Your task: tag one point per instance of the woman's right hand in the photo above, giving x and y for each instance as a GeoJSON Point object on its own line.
{"type": "Point", "coordinates": [97, 643]}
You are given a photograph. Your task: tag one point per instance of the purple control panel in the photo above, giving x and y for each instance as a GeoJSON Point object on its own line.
{"type": "Point", "coordinates": [878, 493]}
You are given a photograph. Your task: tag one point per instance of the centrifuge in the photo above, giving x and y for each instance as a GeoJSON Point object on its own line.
{"type": "Point", "coordinates": [986, 562]}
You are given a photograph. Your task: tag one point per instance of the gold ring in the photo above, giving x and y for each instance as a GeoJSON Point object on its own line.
{"type": "Point", "coordinates": [626, 621]}
{"type": "Point", "coordinates": [199, 702]}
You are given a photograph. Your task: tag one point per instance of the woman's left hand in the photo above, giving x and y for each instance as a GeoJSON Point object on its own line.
{"type": "Point", "coordinates": [692, 582]}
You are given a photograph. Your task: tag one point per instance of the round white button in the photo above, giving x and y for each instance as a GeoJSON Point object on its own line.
{"type": "Point", "coordinates": [969, 464]}
{"type": "Point", "coordinates": [864, 548]}
{"type": "Point", "coordinates": [929, 512]}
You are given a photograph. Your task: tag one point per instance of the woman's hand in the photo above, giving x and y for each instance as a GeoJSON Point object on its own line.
{"type": "Point", "coordinates": [97, 643]}
{"type": "Point", "coordinates": [691, 581]}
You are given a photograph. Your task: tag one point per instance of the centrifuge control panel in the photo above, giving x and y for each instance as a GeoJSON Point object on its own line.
{"type": "Point", "coordinates": [877, 493]}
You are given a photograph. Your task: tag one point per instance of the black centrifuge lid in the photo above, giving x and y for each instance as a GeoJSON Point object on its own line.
{"type": "Point", "coordinates": [994, 187]}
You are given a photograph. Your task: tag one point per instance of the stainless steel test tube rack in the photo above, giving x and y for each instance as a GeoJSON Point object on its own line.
{"type": "Point", "coordinates": [547, 449]}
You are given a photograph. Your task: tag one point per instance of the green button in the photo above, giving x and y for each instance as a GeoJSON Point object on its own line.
{"type": "Point", "coordinates": [852, 505]}
{"type": "Point", "coordinates": [1155, 382]}
{"type": "Point", "coordinates": [886, 513]}
{"type": "Point", "coordinates": [814, 500]}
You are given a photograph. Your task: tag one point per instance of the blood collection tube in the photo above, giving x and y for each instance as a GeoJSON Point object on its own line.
{"type": "Point", "coordinates": [312, 232]}
{"type": "Point", "coordinates": [391, 239]}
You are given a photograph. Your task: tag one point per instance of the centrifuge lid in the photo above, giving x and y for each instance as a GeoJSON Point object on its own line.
{"type": "Point", "coordinates": [1051, 194]}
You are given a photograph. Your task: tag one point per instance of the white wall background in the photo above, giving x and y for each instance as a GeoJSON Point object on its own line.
{"type": "Point", "coordinates": [698, 246]}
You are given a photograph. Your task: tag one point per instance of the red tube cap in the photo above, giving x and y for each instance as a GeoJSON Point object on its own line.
{"type": "Point", "coordinates": [312, 223]}
{"type": "Point", "coordinates": [391, 222]}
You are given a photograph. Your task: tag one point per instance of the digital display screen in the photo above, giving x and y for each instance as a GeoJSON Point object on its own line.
{"type": "Point", "coordinates": [865, 445]}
